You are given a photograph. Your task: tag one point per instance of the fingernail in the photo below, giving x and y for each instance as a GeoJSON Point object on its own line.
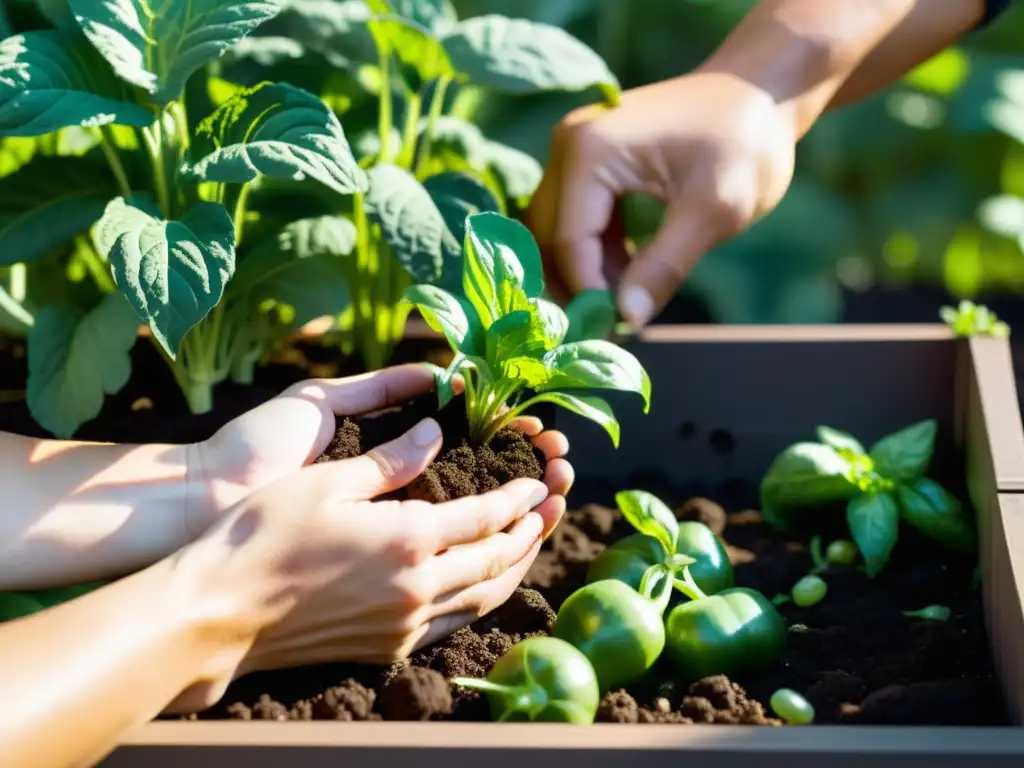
{"type": "Point", "coordinates": [426, 433]}
{"type": "Point", "coordinates": [637, 306]}
{"type": "Point", "coordinates": [540, 492]}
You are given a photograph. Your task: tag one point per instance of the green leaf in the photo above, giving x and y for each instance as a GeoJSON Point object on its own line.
{"type": "Point", "coordinates": [591, 315]}
{"type": "Point", "coordinates": [410, 221]}
{"type": "Point", "coordinates": [516, 335]}
{"type": "Point", "coordinates": [556, 322]}
{"type": "Point", "coordinates": [458, 137]}
{"type": "Point", "coordinates": [437, 16]}
{"type": "Point", "coordinates": [802, 475]}
{"type": "Point", "coordinates": [333, 236]}
{"type": "Point", "coordinates": [49, 81]}
{"type": "Point", "coordinates": [519, 173]}
{"type": "Point", "coordinates": [58, 13]}
{"type": "Point", "coordinates": [157, 44]}
{"type": "Point", "coordinates": [311, 287]}
{"type": "Point", "coordinates": [334, 28]}
{"type": "Point", "coordinates": [457, 196]}
{"type": "Point", "coordinates": [597, 364]}
{"type": "Point", "coordinates": [495, 243]}
{"type": "Point", "coordinates": [936, 513]}
{"type": "Point", "coordinates": [651, 516]}
{"type": "Point", "coordinates": [840, 440]}
{"type": "Point", "coordinates": [172, 272]}
{"type": "Point", "coordinates": [49, 201]}
{"type": "Point", "coordinates": [874, 524]}
{"type": "Point", "coordinates": [588, 406]}
{"type": "Point", "coordinates": [275, 130]}
{"type": "Point", "coordinates": [75, 361]}
{"type": "Point", "coordinates": [521, 56]}
{"type": "Point", "coordinates": [414, 45]}
{"type": "Point", "coordinates": [450, 315]}
{"type": "Point", "coordinates": [905, 455]}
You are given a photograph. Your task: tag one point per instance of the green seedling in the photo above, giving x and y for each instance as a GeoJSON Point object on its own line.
{"type": "Point", "coordinates": [970, 319]}
{"type": "Point", "coordinates": [508, 340]}
{"type": "Point", "coordinates": [791, 707]}
{"type": "Point", "coordinates": [931, 613]}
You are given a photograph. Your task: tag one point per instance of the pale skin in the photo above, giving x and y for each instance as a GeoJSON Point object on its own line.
{"type": "Point", "coordinates": [717, 145]}
{"type": "Point", "coordinates": [242, 557]}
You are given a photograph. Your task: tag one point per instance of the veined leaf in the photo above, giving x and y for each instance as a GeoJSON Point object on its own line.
{"type": "Point", "coordinates": [436, 16]}
{"type": "Point", "coordinates": [49, 201]}
{"type": "Point", "coordinates": [158, 44]}
{"type": "Point", "coordinates": [519, 334]}
{"type": "Point", "coordinates": [588, 406]}
{"type": "Point", "coordinates": [172, 272]}
{"type": "Point", "coordinates": [457, 196]}
{"type": "Point", "coordinates": [521, 56]}
{"type": "Point", "coordinates": [451, 315]}
{"type": "Point", "coordinates": [556, 322]}
{"type": "Point", "coordinates": [75, 361]}
{"type": "Point", "coordinates": [275, 130]}
{"type": "Point", "coordinates": [333, 28]}
{"type": "Point", "coordinates": [520, 174]}
{"type": "Point", "coordinates": [591, 315]}
{"type": "Point", "coordinates": [333, 236]}
{"type": "Point", "coordinates": [597, 364]}
{"type": "Point", "coordinates": [414, 45]}
{"type": "Point", "coordinates": [490, 238]}
{"type": "Point", "coordinates": [410, 221]}
{"type": "Point", "coordinates": [651, 516]}
{"type": "Point", "coordinates": [50, 81]}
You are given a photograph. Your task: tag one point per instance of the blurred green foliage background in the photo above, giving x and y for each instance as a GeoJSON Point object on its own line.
{"type": "Point", "coordinates": [920, 187]}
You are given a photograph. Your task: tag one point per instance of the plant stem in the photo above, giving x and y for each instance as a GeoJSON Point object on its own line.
{"type": "Point", "coordinates": [240, 211]}
{"type": "Point", "coordinates": [155, 144]}
{"type": "Point", "coordinates": [98, 268]}
{"type": "Point", "coordinates": [384, 117]}
{"type": "Point", "coordinates": [14, 309]}
{"type": "Point", "coordinates": [109, 147]}
{"type": "Point", "coordinates": [19, 281]}
{"type": "Point", "coordinates": [436, 109]}
{"type": "Point", "coordinates": [689, 587]}
{"type": "Point", "coordinates": [413, 108]}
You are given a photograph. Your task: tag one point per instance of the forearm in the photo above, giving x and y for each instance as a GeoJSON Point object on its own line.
{"type": "Point", "coordinates": [77, 512]}
{"type": "Point", "coordinates": [79, 676]}
{"type": "Point", "coordinates": [808, 55]}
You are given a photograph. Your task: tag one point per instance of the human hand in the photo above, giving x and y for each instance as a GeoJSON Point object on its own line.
{"type": "Point", "coordinates": [291, 430]}
{"type": "Point", "coordinates": [717, 150]}
{"type": "Point", "coordinates": [306, 570]}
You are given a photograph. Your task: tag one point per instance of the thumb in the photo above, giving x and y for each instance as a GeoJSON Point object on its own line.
{"type": "Point", "coordinates": [390, 466]}
{"type": "Point", "coordinates": [653, 277]}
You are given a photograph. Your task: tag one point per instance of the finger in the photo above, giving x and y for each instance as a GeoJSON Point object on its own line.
{"type": "Point", "coordinates": [552, 444]}
{"type": "Point", "coordinates": [464, 566]}
{"type": "Point", "coordinates": [552, 509]}
{"type": "Point", "coordinates": [559, 476]}
{"type": "Point", "coordinates": [390, 466]}
{"type": "Point", "coordinates": [654, 276]}
{"type": "Point", "coordinates": [369, 391]}
{"type": "Point", "coordinates": [475, 518]}
{"type": "Point", "coordinates": [530, 425]}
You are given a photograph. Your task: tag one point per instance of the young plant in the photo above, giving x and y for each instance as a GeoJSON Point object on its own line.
{"type": "Point", "coordinates": [509, 340]}
{"type": "Point", "coordinates": [970, 319]}
{"type": "Point", "coordinates": [880, 486]}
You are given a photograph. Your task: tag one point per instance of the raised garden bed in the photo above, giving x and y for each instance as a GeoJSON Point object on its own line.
{"type": "Point", "coordinates": [725, 402]}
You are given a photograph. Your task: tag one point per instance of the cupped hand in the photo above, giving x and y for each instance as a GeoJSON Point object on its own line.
{"type": "Point", "coordinates": [717, 150]}
{"type": "Point", "coordinates": [291, 430]}
{"type": "Point", "coordinates": [306, 570]}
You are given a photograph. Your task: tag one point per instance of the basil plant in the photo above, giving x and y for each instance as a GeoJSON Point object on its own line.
{"type": "Point", "coordinates": [513, 347]}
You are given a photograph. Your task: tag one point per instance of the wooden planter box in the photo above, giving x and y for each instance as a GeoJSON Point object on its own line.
{"type": "Point", "coordinates": [764, 387]}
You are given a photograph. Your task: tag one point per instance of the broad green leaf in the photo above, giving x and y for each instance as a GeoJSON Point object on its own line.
{"type": "Point", "coordinates": [172, 272]}
{"type": "Point", "coordinates": [841, 441]}
{"type": "Point", "coordinates": [58, 12]}
{"type": "Point", "coordinates": [651, 516]}
{"type": "Point", "coordinates": [450, 315]}
{"type": "Point", "coordinates": [75, 361]}
{"type": "Point", "coordinates": [805, 474]}
{"type": "Point", "coordinates": [516, 335]}
{"type": "Point", "coordinates": [312, 287]}
{"type": "Point", "coordinates": [457, 196]}
{"type": "Point", "coordinates": [556, 322]}
{"type": "Point", "coordinates": [597, 364]}
{"type": "Point", "coordinates": [459, 137]}
{"type": "Point", "coordinates": [520, 174]}
{"type": "Point", "coordinates": [6, 30]}
{"type": "Point", "coordinates": [437, 16]}
{"type": "Point", "coordinates": [521, 56]}
{"type": "Point", "coordinates": [874, 524]}
{"type": "Point", "coordinates": [49, 201]}
{"type": "Point", "coordinates": [157, 44]}
{"type": "Point", "coordinates": [49, 81]}
{"type": "Point", "coordinates": [591, 315]}
{"type": "Point", "coordinates": [490, 238]}
{"type": "Point", "coordinates": [333, 28]}
{"type": "Point", "coordinates": [410, 221]}
{"type": "Point", "coordinates": [333, 236]}
{"type": "Point", "coordinates": [906, 454]}
{"type": "Point", "coordinates": [414, 45]}
{"type": "Point", "coordinates": [937, 513]}
{"type": "Point", "coordinates": [588, 406]}
{"type": "Point", "coordinates": [275, 130]}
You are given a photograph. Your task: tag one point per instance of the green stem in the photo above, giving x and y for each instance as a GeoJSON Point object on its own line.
{"type": "Point", "coordinates": [384, 117]}
{"type": "Point", "coordinates": [413, 108]}
{"type": "Point", "coordinates": [155, 145]}
{"type": "Point", "coordinates": [98, 268]}
{"type": "Point", "coordinates": [436, 109]}
{"type": "Point", "coordinates": [14, 309]}
{"type": "Point", "coordinates": [240, 211]}
{"type": "Point", "coordinates": [820, 563]}
{"type": "Point", "coordinates": [109, 147]}
{"type": "Point", "coordinates": [689, 587]}
{"type": "Point", "coordinates": [529, 700]}
{"type": "Point", "coordinates": [19, 281]}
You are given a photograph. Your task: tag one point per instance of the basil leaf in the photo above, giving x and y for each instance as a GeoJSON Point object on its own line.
{"type": "Point", "coordinates": [874, 524]}
{"type": "Point", "coordinates": [490, 238]}
{"type": "Point", "coordinates": [157, 44]}
{"type": "Point", "coordinates": [520, 56]}
{"type": "Point", "coordinates": [649, 515]}
{"type": "Point", "coordinates": [841, 441]}
{"type": "Point", "coordinates": [515, 335]}
{"type": "Point", "coordinates": [457, 196]}
{"type": "Point", "coordinates": [588, 406]}
{"type": "Point", "coordinates": [47, 202]}
{"type": "Point", "coordinates": [906, 454]}
{"type": "Point", "coordinates": [50, 81]}
{"type": "Point", "coordinates": [936, 513]}
{"type": "Point", "coordinates": [519, 173]}
{"type": "Point", "coordinates": [597, 364]}
{"type": "Point", "coordinates": [591, 315]}
{"type": "Point", "coordinates": [556, 322]}
{"type": "Point", "coordinates": [802, 475]}
{"type": "Point", "coordinates": [451, 315]}
{"type": "Point", "coordinates": [279, 131]}
{"type": "Point", "coordinates": [172, 272]}
{"type": "Point", "coordinates": [76, 360]}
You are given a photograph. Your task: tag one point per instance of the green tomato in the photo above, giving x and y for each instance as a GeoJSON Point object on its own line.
{"type": "Point", "coordinates": [628, 559]}
{"type": "Point", "coordinates": [541, 679]}
{"type": "Point", "coordinates": [791, 707]}
{"type": "Point", "coordinates": [736, 630]}
{"type": "Point", "coordinates": [619, 630]}
{"type": "Point", "coordinates": [841, 552]}
{"type": "Point", "coordinates": [15, 605]}
{"type": "Point", "coordinates": [810, 590]}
